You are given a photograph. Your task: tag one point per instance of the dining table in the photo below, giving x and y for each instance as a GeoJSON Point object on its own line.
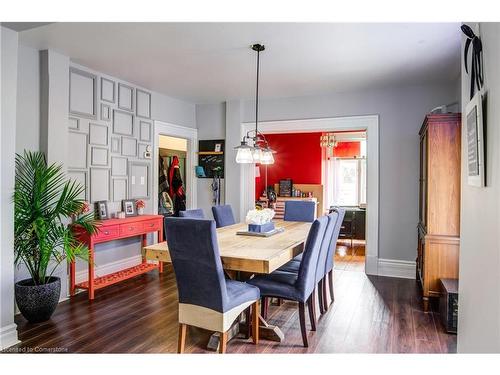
{"type": "Point", "coordinates": [244, 254]}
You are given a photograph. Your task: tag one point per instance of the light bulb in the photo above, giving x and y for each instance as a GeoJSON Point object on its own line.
{"type": "Point", "coordinates": [257, 155]}
{"type": "Point", "coordinates": [244, 156]}
{"type": "Point", "coordinates": [267, 157]}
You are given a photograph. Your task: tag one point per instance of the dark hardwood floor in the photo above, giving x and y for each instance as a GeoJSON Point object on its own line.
{"type": "Point", "coordinates": [370, 315]}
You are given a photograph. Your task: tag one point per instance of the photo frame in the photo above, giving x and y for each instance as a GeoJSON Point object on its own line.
{"type": "Point", "coordinates": [474, 130]}
{"type": "Point", "coordinates": [128, 206]}
{"type": "Point", "coordinates": [101, 208]}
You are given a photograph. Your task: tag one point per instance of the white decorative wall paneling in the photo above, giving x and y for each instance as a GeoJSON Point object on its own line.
{"type": "Point", "coordinates": [99, 156]}
{"type": "Point", "coordinates": [74, 123]}
{"type": "Point", "coordinates": [116, 145]}
{"type": "Point", "coordinates": [143, 103]}
{"type": "Point", "coordinates": [145, 131]}
{"type": "Point", "coordinates": [107, 90]}
{"type": "Point", "coordinates": [82, 93]}
{"type": "Point", "coordinates": [125, 97]}
{"type": "Point", "coordinates": [98, 135]}
{"type": "Point", "coordinates": [119, 188]}
{"type": "Point", "coordinates": [139, 175]}
{"type": "Point", "coordinates": [118, 166]}
{"type": "Point", "coordinates": [129, 146]}
{"type": "Point", "coordinates": [80, 177]}
{"type": "Point", "coordinates": [105, 112]}
{"type": "Point", "coordinates": [99, 184]}
{"type": "Point", "coordinates": [77, 146]}
{"type": "Point", "coordinates": [123, 123]}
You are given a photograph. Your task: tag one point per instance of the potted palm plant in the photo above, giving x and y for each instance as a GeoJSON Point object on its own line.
{"type": "Point", "coordinates": [44, 200]}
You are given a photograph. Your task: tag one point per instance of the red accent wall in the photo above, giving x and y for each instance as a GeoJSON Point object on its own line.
{"type": "Point", "coordinates": [298, 156]}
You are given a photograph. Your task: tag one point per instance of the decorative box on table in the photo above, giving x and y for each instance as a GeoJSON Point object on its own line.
{"type": "Point", "coordinates": [261, 228]}
{"type": "Point", "coordinates": [259, 221]}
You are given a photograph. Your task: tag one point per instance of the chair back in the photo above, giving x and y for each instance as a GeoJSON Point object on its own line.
{"type": "Point", "coordinates": [194, 251]}
{"type": "Point", "coordinates": [223, 215]}
{"type": "Point", "coordinates": [326, 245]}
{"type": "Point", "coordinates": [196, 213]}
{"type": "Point", "coordinates": [300, 211]}
{"type": "Point", "coordinates": [335, 236]}
{"type": "Point", "coordinates": [306, 279]}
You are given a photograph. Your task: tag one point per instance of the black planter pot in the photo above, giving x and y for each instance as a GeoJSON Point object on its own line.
{"type": "Point", "coordinates": [38, 302]}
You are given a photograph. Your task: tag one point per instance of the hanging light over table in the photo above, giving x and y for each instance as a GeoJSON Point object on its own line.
{"type": "Point", "coordinates": [259, 151]}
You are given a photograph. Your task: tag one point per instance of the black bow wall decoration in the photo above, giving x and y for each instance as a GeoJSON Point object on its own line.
{"type": "Point", "coordinates": [476, 74]}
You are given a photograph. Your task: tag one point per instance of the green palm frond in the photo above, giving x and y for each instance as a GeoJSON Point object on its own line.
{"type": "Point", "coordinates": [44, 199]}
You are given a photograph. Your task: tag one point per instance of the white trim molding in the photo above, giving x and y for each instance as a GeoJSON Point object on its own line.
{"type": "Point", "coordinates": [8, 336]}
{"type": "Point", "coordinates": [397, 268]}
{"type": "Point", "coordinates": [370, 124]}
{"type": "Point", "coordinates": [191, 135]}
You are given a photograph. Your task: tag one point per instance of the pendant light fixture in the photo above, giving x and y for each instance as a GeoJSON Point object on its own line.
{"type": "Point", "coordinates": [259, 151]}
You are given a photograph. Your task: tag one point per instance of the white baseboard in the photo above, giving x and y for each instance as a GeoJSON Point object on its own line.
{"type": "Point", "coordinates": [397, 268]}
{"type": "Point", "coordinates": [101, 270]}
{"type": "Point", "coordinates": [8, 336]}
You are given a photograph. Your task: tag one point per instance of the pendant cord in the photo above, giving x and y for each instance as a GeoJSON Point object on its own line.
{"type": "Point", "coordinates": [257, 97]}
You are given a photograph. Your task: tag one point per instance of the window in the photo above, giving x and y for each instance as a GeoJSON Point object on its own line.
{"type": "Point", "coordinates": [346, 180]}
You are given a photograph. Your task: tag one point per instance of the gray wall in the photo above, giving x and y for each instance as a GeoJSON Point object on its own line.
{"type": "Point", "coordinates": [8, 89]}
{"type": "Point", "coordinates": [171, 110]}
{"type": "Point", "coordinates": [43, 124]}
{"type": "Point", "coordinates": [28, 100]}
{"type": "Point", "coordinates": [401, 111]}
{"type": "Point", "coordinates": [479, 289]}
{"type": "Point", "coordinates": [211, 123]}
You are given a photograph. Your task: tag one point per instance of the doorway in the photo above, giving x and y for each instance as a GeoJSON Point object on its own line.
{"type": "Point", "coordinates": [181, 142]}
{"type": "Point", "coordinates": [172, 154]}
{"type": "Point", "coordinates": [344, 181]}
{"type": "Point", "coordinates": [370, 124]}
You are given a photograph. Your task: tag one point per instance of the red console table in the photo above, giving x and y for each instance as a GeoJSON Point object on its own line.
{"type": "Point", "coordinates": [115, 229]}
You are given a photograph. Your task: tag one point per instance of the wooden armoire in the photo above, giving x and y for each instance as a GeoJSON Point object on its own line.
{"type": "Point", "coordinates": [439, 208]}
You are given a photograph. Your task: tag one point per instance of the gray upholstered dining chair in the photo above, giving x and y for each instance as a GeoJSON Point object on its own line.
{"type": "Point", "coordinates": [206, 299]}
{"type": "Point", "coordinates": [299, 286]}
{"type": "Point", "coordinates": [196, 213]}
{"type": "Point", "coordinates": [300, 211]}
{"type": "Point", "coordinates": [223, 215]}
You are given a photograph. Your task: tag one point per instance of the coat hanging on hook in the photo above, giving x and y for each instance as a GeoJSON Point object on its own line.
{"type": "Point", "coordinates": [476, 71]}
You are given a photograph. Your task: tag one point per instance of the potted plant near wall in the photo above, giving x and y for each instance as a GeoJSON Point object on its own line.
{"type": "Point", "coordinates": [44, 200]}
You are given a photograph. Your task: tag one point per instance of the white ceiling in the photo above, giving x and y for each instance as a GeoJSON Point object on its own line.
{"type": "Point", "coordinates": [207, 62]}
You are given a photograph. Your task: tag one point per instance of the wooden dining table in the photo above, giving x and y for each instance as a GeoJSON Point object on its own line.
{"type": "Point", "coordinates": [249, 255]}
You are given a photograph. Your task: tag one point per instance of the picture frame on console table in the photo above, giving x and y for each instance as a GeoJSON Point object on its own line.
{"type": "Point", "coordinates": [101, 209]}
{"type": "Point", "coordinates": [128, 206]}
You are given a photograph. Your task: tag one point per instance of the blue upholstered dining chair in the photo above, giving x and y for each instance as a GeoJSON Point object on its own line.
{"type": "Point", "coordinates": [300, 211]}
{"type": "Point", "coordinates": [206, 299]}
{"type": "Point", "coordinates": [331, 254]}
{"type": "Point", "coordinates": [196, 213]}
{"type": "Point", "coordinates": [294, 265]}
{"type": "Point", "coordinates": [299, 286]}
{"type": "Point", "coordinates": [223, 215]}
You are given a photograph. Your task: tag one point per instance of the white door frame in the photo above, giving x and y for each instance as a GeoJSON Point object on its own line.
{"type": "Point", "coordinates": [191, 135]}
{"type": "Point", "coordinates": [371, 125]}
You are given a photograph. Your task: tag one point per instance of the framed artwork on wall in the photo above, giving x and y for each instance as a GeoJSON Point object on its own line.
{"type": "Point", "coordinates": [475, 141]}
